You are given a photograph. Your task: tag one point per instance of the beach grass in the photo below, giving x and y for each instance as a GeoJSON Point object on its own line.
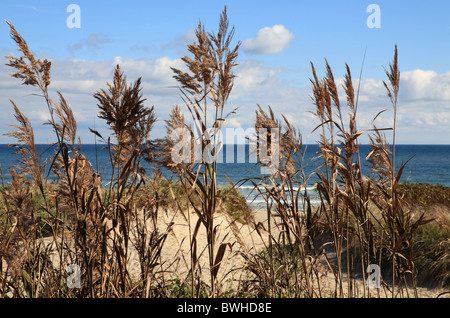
{"type": "Point", "coordinates": [294, 246]}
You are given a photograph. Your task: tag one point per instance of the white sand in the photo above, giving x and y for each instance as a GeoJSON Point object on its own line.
{"type": "Point", "coordinates": [176, 254]}
{"type": "Point", "coordinates": [177, 247]}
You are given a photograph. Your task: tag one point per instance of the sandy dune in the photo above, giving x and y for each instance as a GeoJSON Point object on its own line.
{"type": "Point", "coordinates": [240, 238]}
{"type": "Point", "coordinates": [246, 239]}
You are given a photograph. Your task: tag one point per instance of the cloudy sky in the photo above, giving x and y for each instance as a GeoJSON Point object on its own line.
{"type": "Point", "coordinates": [279, 40]}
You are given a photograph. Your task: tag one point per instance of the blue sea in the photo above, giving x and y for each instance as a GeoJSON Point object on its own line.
{"type": "Point", "coordinates": [427, 164]}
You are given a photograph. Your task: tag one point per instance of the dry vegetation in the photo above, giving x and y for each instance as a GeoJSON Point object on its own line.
{"type": "Point", "coordinates": [361, 220]}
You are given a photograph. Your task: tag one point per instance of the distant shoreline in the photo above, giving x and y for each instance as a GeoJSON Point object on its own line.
{"type": "Point", "coordinates": [429, 164]}
{"type": "Point", "coordinates": [237, 144]}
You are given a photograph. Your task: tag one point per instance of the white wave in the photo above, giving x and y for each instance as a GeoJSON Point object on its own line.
{"type": "Point", "coordinates": [250, 187]}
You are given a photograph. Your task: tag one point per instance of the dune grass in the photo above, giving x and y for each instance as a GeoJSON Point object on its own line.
{"type": "Point", "coordinates": [372, 219]}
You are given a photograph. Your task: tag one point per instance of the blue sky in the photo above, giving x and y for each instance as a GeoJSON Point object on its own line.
{"type": "Point", "coordinates": [279, 38]}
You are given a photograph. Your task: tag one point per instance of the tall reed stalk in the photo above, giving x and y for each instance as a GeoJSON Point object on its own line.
{"type": "Point", "coordinates": [398, 225]}
{"type": "Point", "coordinates": [205, 89]}
{"type": "Point", "coordinates": [284, 271]}
{"type": "Point", "coordinates": [90, 228]}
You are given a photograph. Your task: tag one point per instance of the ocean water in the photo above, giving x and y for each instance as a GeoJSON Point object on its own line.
{"type": "Point", "coordinates": [427, 164]}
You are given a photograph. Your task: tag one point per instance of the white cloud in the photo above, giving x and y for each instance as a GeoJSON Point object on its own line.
{"type": "Point", "coordinates": [269, 40]}
{"type": "Point", "coordinates": [44, 116]}
{"type": "Point", "coordinates": [77, 80]}
{"type": "Point", "coordinates": [422, 111]}
{"type": "Point", "coordinates": [424, 84]}
{"type": "Point", "coordinates": [157, 72]}
{"type": "Point", "coordinates": [83, 76]}
{"type": "Point", "coordinates": [253, 76]}
{"type": "Point", "coordinates": [233, 122]}
{"type": "Point", "coordinates": [415, 85]}
{"type": "Point", "coordinates": [422, 108]}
